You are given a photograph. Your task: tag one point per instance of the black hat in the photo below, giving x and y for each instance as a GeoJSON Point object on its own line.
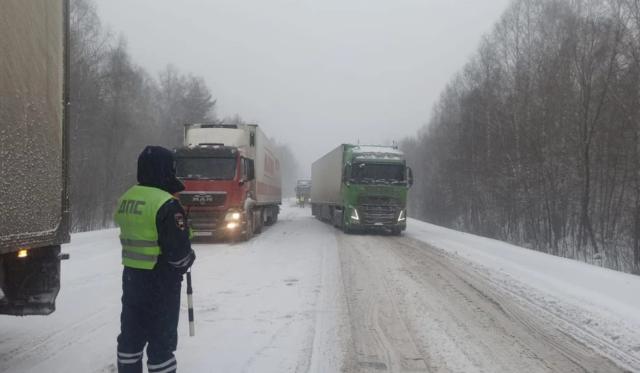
{"type": "Point", "coordinates": [156, 168]}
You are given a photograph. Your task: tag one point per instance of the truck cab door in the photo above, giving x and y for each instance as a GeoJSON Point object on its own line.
{"type": "Point", "coordinates": [346, 171]}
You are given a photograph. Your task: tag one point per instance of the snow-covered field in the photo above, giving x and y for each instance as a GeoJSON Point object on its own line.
{"type": "Point", "coordinates": [302, 296]}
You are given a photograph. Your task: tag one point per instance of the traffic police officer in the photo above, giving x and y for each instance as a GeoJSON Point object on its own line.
{"type": "Point", "coordinates": [156, 252]}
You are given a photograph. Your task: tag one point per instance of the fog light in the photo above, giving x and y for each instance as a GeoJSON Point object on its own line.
{"type": "Point", "coordinates": [232, 225]}
{"type": "Point", "coordinates": [23, 253]}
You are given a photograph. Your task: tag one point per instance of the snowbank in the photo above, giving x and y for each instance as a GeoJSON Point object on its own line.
{"type": "Point", "coordinates": [594, 304]}
{"type": "Point", "coordinates": [603, 288]}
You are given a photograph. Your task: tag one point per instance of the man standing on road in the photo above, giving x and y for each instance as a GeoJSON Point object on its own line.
{"type": "Point", "coordinates": [156, 252]}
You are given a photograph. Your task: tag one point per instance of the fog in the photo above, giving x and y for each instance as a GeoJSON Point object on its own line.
{"type": "Point", "coordinates": [313, 74]}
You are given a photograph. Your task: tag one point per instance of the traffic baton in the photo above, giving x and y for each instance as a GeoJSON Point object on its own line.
{"type": "Point", "coordinates": [192, 328]}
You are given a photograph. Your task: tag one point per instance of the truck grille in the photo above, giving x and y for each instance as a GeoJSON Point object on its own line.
{"type": "Point", "coordinates": [379, 214]}
{"type": "Point", "coordinates": [378, 201]}
{"type": "Point", "coordinates": [205, 220]}
{"type": "Point", "coordinates": [203, 199]}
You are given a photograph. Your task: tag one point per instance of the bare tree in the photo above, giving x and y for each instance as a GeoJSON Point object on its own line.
{"type": "Point", "coordinates": [536, 140]}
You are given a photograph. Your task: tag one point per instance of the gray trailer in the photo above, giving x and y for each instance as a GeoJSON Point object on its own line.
{"type": "Point", "coordinates": [326, 178]}
{"type": "Point", "coordinates": [34, 152]}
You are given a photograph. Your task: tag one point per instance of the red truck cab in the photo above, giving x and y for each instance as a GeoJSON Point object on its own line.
{"type": "Point", "coordinates": [231, 187]}
{"type": "Point", "coordinates": [217, 183]}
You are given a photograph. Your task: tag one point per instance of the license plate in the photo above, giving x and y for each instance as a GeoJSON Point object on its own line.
{"type": "Point", "coordinates": [202, 234]}
{"type": "Point", "coordinates": [378, 224]}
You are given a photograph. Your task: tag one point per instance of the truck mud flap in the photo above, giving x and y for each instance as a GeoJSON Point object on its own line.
{"type": "Point", "coordinates": [30, 285]}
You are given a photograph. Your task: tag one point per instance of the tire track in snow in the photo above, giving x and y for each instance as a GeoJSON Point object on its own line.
{"type": "Point", "coordinates": [412, 308]}
{"type": "Point", "coordinates": [541, 334]}
{"type": "Point", "coordinates": [380, 338]}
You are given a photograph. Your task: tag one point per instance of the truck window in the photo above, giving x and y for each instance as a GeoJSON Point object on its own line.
{"type": "Point", "coordinates": [376, 173]}
{"type": "Point", "coordinates": [248, 171]}
{"type": "Point", "coordinates": [206, 168]}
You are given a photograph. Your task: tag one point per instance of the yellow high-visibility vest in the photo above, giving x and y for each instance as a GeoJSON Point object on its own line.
{"type": "Point", "coordinates": [136, 217]}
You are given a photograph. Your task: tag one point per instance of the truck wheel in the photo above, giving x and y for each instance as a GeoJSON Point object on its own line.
{"type": "Point", "coordinates": [259, 222]}
{"type": "Point", "coordinates": [269, 217]}
{"type": "Point", "coordinates": [248, 231]}
{"type": "Point", "coordinates": [396, 231]}
{"type": "Point", "coordinates": [272, 216]}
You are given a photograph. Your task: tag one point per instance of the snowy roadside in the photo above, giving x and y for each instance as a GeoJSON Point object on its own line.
{"type": "Point", "coordinates": [265, 305]}
{"type": "Point", "coordinates": [597, 306]}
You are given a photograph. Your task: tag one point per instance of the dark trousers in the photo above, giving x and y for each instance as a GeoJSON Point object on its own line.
{"type": "Point", "coordinates": [150, 311]}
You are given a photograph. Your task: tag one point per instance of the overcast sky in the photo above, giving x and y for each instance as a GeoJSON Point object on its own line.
{"type": "Point", "coordinates": [312, 73]}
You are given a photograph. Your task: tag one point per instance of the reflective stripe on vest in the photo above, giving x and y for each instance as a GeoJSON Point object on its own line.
{"type": "Point", "coordinates": [136, 217]}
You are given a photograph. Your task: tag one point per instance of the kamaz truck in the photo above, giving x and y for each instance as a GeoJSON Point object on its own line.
{"type": "Point", "coordinates": [232, 179]}
{"type": "Point", "coordinates": [362, 188]}
{"type": "Point", "coordinates": [34, 153]}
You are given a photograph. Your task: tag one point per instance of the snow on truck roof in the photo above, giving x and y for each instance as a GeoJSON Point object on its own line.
{"type": "Point", "coordinates": [376, 149]}
{"type": "Point", "coordinates": [377, 152]}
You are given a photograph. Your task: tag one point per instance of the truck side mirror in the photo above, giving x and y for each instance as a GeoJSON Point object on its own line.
{"type": "Point", "coordinates": [409, 177]}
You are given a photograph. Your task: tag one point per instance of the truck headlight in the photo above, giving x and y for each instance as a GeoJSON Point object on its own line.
{"type": "Point", "coordinates": [402, 217]}
{"type": "Point", "coordinates": [354, 215]}
{"type": "Point", "coordinates": [232, 225]}
{"type": "Point", "coordinates": [233, 216]}
{"type": "Point", "coordinates": [23, 253]}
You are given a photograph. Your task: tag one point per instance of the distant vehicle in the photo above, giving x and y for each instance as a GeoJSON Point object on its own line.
{"type": "Point", "coordinates": [362, 188]}
{"type": "Point", "coordinates": [232, 179]}
{"type": "Point", "coordinates": [34, 153]}
{"type": "Point", "coordinates": [303, 192]}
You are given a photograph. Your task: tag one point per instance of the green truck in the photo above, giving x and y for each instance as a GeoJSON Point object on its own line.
{"type": "Point", "coordinates": [362, 188]}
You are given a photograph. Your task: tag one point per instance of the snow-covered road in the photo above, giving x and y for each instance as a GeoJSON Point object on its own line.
{"type": "Point", "coordinates": [305, 297]}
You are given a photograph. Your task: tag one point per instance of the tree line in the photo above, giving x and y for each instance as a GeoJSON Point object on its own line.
{"type": "Point", "coordinates": [537, 140]}
{"type": "Point", "coordinates": [117, 108]}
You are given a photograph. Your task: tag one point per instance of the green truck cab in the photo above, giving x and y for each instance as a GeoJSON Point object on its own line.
{"type": "Point", "coordinates": [362, 188]}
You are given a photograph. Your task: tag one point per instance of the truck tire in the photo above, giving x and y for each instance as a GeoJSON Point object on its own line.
{"type": "Point", "coordinates": [396, 231]}
{"type": "Point", "coordinates": [337, 218]}
{"type": "Point", "coordinates": [248, 231]}
{"type": "Point", "coordinates": [272, 216]}
{"type": "Point", "coordinates": [259, 219]}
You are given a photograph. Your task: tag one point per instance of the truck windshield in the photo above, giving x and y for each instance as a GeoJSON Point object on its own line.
{"type": "Point", "coordinates": [377, 173]}
{"type": "Point", "coordinates": [206, 168]}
